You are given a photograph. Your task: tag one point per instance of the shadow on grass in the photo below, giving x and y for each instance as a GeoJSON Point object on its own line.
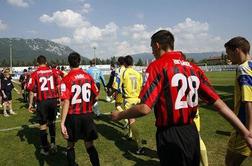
{"type": "Point", "coordinates": [126, 146]}
{"type": "Point", "coordinates": [24, 104]}
{"type": "Point", "coordinates": [226, 89]}
{"type": "Point", "coordinates": [31, 136]}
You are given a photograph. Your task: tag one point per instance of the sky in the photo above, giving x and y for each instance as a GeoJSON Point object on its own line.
{"type": "Point", "coordinates": [121, 27]}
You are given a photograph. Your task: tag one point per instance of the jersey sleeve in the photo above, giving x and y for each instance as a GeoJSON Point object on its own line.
{"type": "Point", "coordinates": [65, 91]}
{"type": "Point", "coordinates": [152, 87]}
{"type": "Point", "coordinates": [206, 91]}
{"type": "Point", "coordinates": [245, 83]}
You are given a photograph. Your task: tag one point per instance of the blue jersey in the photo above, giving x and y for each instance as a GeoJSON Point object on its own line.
{"type": "Point", "coordinates": [96, 74]}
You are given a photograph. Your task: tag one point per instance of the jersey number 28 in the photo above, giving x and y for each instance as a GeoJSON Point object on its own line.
{"type": "Point", "coordinates": [191, 82]}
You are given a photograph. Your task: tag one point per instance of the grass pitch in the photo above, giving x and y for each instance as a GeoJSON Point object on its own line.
{"type": "Point", "coordinates": [20, 140]}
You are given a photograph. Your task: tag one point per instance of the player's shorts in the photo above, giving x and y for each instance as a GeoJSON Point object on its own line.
{"type": "Point", "coordinates": [8, 97]}
{"type": "Point", "coordinates": [98, 85]}
{"type": "Point", "coordinates": [81, 127]}
{"type": "Point", "coordinates": [128, 103]}
{"type": "Point", "coordinates": [46, 111]}
{"type": "Point", "coordinates": [237, 144]}
{"type": "Point", "coordinates": [178, 145]}
{"type": "Point", "coordinates": [197, 120]}
{"type": "Point", "coordinates": [118, 98]}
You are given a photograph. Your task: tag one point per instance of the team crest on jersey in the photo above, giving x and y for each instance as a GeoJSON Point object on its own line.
{"type": "Point", "coordinates": [63, 87]}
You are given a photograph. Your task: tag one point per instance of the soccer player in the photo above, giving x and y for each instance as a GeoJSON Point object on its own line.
{"type": "Point", "coordinates": [173, 87]}
{"type": "Point", "coordinates": [6, 89]}
{"type": "Point", "coordinates": [131, 85]}
{"type": "Point", "coordinates": [97, 75]}
{"type": "Point", "coordinates": [110, 82]}
{"type": "Point", "coordinates": [237, 50]}
{"type": "Point", "coordinates": [78, 92]}
{"type": "Point", "coordinates": [203, 150]}
{"type": "Point", "coordinates": [44, 82]}
{"type": "Point", "coordinates": [23, 80]}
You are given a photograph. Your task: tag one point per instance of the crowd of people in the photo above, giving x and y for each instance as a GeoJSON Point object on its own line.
{"type": "Point", "coordinates": [171, 86]}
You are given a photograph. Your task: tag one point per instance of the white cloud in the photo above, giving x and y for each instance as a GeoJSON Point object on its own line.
{"type": "Point", "coordinates": [86, 8]}
{"type": "Point", "coordinates": [193, 36]}
{"type": "Point", "coordinates": [3, 26]}
{"type": "Point", "coordinates": [66, 18]}
{"type": "Point", "coordinates": [63, 40]}
{"type": "Point", "coordinates": [19, 3]}
{"type": "Point", "coordinates": [112, 40]}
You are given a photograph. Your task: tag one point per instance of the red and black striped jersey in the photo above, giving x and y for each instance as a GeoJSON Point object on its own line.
{"type": "Point", "coordinates": [44, 82]}
{"type": "Point", "coordinates": [173, 87]}
{"type": "Point", "coordinates": [79, 88]}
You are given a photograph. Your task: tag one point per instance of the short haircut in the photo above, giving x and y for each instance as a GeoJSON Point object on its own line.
{"type": "Point", "coordinates": [92, 62]}
{"type": "Point", "coordinates": [238, 42]}
{"type": "Point", "coordinates": [164, 38]}
{"type": "Point", "coordinates": [74, 59]}
{"type": "Point", "coordinates": [41, 60]}
{"type": "Point", "coordinates": [128, 60]}
{"type": "Point", "coordinates": [120, 60]}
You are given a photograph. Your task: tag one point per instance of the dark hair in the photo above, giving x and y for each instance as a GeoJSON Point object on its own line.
{"type": "Point", "coordinates": [238, 42]}
{"type": "Point", "coordinates": [92, 62]}
{"type": "Point", "coordinates": [164, 38]}
{"type": "Point", "coordinates": [41, 60]}
{"type": "Point", "coordinates": [25, 70]}
{"type": "Point", "coordinates": [128, 60]}
{"type": "Point", "coordinates": [74, 59]}
{"type": "Point", "coordinates": [120, 60]}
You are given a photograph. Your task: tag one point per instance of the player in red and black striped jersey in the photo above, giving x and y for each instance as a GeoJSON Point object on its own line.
{"type": "Point", "coordinates": [173, 87]}
{"type": "Point", "coordinates": [78, 92]}
{"type": "Point", "coordinates": [44, 83]}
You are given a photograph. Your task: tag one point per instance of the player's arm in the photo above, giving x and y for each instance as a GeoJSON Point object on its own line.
{"type": "Point", "coordinates": [248, 109]}
{"type": "Point", "coordinates": [233, 120]}
{"type": "Point", "coordinates": [64, 112]}
{"type": "Point", "coordinates": [134, 112]}
{"type": "Point", "coordinates": [31, 96]}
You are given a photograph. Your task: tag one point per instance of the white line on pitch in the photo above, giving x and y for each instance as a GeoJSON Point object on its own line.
{"type": "Point", "coordinates": [21, 127]}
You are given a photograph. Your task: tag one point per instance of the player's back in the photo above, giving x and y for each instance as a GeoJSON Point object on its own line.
{"type": "Point", "coordinates": [95, 73]}
{"type": "Point", "coordinates": [131, 83]}
{"type": "Point", "coordinates": [44, 82]}
{"type": "Point", "coordinates": [176, 85]}
{"type": "Point", "coordinates": [81, 91]}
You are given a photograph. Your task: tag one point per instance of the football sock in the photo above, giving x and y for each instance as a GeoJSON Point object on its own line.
{"type": "Point", "coordinates": [135, 134]}
{"type": "Point", "coordinates": [203, 153]}
{"type": "Point", "coordinates": [52, 131]}
{"type": "Point", "coordinates": [43, 139]}
{"type": "Point", "coordinates": [71, 156]}
{"type": "Point", "coordinates": [93, 155]}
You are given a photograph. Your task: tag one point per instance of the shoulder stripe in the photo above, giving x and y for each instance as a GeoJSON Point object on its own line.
{"type": "Point", "coordinates": [151, 88]}
{"type": "Point", "coordinates": [245, 80]}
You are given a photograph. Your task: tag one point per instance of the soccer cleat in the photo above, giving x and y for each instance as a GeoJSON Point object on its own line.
{"type": "Point", "coordinates": [6, 115]}
{"type": "Point", "coordinates": [12, 112]}
{"type": "Point", "coordinates": [108, 99]}
{"type": "Point", "coordinates": [44, 153]}
{"type": "Point", "coordinates": [53, 148]}
{"type": "Point", "coordinates": [140, 151]}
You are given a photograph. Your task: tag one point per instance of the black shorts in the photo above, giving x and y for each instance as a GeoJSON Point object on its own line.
{"type": "Point", "coordinates": [8, 97]}
{"type": "Point", "coordinates": [178, 146]}
{"type": "Point", "coordinates": [46, 111]}
{"type": "Point", "coordinates": [81, 127]}
{"type": "Point", "coordinates": [98, 85]}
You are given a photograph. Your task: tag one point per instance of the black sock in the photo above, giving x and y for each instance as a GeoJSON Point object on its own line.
{"type": "Point", "coordinates": [43, 139]}
{"type": "Point", "coordinates": [93, 155]}
{"type": "Point", "coordinates": [52, 131]}
{"type": "Point", "coordinates": [71, 157]}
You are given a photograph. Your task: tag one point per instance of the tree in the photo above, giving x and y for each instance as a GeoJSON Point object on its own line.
{"type": "Point", "coordinates": [139, 62]}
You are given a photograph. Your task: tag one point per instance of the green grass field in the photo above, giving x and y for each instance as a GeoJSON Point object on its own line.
{"type": "Point", "coordinates": [20, 146]}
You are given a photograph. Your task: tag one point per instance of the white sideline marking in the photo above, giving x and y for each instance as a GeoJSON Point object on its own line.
{"type": "Point", "coordinates": [21, 127]}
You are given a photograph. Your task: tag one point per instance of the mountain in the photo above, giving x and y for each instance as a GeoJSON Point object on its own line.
{"type": "Point", "coordinates": [196, 56]}
{"type": "Point", "coordinates": [25, 51]}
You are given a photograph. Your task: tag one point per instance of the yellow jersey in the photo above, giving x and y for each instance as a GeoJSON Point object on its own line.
{"type": "Point", "coordinates": [132, 82]}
